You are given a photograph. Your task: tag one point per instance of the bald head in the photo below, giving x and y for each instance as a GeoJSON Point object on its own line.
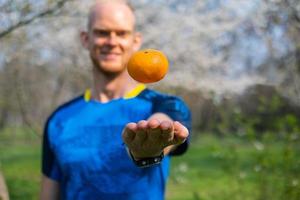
{"type": "Point", "coordinates": [111, 38]}
{"type": "Point", "coordinates": [102, 8]}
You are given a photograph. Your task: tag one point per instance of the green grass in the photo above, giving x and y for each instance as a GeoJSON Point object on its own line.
{"type": "Point", "coordinates": [20, 163]}
{"type": "Point", "coordinates": [236, 168]}
{"type": "Point", "coordinates": [230, 168]}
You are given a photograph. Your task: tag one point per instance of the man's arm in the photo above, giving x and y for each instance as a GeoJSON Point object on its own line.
{"type": "Point", "coordinates": [152, 137]}
{"type": "Point", "coordinates": [49, 189]}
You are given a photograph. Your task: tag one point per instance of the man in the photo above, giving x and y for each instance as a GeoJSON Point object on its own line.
{"type": "Point", "coordinates": [114, 141]}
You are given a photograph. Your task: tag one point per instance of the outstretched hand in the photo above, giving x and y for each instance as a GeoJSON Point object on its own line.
{"type": "Point", "coordinates": [150, 138]}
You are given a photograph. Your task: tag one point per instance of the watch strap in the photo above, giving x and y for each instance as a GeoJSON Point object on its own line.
{"type": "Point", "coordinates": [148, 161]}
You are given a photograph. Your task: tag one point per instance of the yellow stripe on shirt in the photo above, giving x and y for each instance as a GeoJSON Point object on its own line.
{"type": "Point", "coordinates": [131, 94]}
{"type": "Point", "coordinates": [135, 91]}
{"type": "Point", "coordinates": [87, 95]}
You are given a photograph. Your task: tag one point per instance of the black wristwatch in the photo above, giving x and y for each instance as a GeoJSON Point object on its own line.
{"type": "Point", "coordinates": [147, 162]}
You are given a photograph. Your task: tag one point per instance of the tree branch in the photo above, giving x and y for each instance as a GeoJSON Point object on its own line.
{"type": "Point", "coordinates": [3, 188]}
{"type": "Point", "coordinates": [24, 22]}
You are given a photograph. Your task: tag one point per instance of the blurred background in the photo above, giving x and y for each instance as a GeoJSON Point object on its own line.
{"type": "Point", "coordinates": [235, 62]}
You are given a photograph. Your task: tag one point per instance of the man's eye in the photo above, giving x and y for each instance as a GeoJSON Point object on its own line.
{"type": "Point", "coordinates": [101, 33]}
{"type": "Point", "coordinates": [123, 33]}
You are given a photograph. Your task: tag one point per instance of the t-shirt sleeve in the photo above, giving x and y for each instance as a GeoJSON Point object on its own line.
{"type": "Point", "coordinates": [50, 166]}
{"type": "Point", "coordinates": [177, 110]}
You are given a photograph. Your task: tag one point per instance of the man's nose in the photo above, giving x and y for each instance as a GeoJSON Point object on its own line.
{"type": "Point", "coordinates": [112, 38]}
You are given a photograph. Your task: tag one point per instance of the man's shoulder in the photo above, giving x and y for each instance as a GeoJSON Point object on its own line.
{"type": "Point", "coordinates": [161, 99]}
{"type": "Point", "coordinates": [66, 108]}
{"type": "Point", "coordinates": [154, 95]}
{"type": "Point", "coordinates": [163, 102]}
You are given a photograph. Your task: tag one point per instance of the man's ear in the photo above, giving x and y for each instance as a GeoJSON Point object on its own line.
{"type": "Point", "coordinates": [84, 38]}
{"type": "Point", "coordinates": [137, 41]}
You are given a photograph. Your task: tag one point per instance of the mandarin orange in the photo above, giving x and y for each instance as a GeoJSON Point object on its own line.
{"type": "Point", "coordinates": [148, 66]}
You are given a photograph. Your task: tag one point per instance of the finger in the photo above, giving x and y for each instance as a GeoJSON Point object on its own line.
{"type": "Point", "coordinates": [129, 133]}
{"type": "Point", "coordinates": [180, 133]}
{"type": "Point", "coordinates": [167, 131]}
{"type": "Point", "coordinates": [154, 131]}
{"type": "Point", "coordinates": [141, 131]}
{"type": "Point", "coordinates": [153, 123]}
{"type": "Point", "coordinates": [141, 125]}
{"type": "Point", "coordinates": [131, 126]}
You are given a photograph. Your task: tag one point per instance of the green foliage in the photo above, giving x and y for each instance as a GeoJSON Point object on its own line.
{"type": "Point", "coordinates": [260, 110]}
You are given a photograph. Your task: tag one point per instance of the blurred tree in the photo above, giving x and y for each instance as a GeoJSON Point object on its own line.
{"type": "Point", "coordinates": [19, 76]}
{"type": "Point", "coordinates": [25, 13]}
{"type": "Point", "coordinates": [218, 48]}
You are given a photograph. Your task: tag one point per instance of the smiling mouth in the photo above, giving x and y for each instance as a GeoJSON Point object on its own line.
{"type": "Point", "coordinates": [109, 55]}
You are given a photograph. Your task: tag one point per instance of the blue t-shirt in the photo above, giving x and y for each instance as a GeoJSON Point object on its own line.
{"type": "Point", "coordinates": [83, 148]}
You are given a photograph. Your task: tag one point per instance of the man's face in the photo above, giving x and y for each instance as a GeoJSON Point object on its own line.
{"type": "Point", "coordinates": [111, 38]}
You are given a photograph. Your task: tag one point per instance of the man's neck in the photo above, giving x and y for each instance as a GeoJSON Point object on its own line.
{"type": "Point", "coordinates": [108, 87]}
